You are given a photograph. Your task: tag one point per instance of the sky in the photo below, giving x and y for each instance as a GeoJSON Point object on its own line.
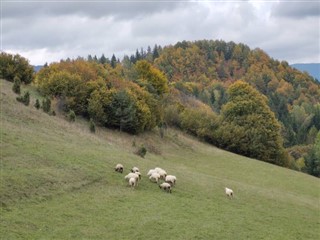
{"type": "Point", "coordinates": [50, 30]}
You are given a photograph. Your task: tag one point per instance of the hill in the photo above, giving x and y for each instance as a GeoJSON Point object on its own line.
{"type": "Point", "coordinates": [312, 68]}
{"type": "Point", "coordinates": [58, 182]}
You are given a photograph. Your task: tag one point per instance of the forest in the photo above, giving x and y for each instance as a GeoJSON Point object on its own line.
{"type": "Point", "coordinates": [233, 97]}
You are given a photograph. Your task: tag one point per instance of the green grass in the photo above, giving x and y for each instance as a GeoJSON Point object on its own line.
{"type": "Point", "coordinates": [58, 182]}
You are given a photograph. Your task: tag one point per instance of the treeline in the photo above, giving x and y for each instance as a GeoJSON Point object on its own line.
{"type": "Point", "coordinates": [272, 113]}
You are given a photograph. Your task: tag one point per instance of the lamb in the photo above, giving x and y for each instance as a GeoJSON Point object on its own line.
{"type": "Point", "coordinates": [229, 192]}
{"type": "Point", "coordinates": [119, 168]}
{"type": "Point", "coordinates": [171, 179]}
{"type": "Point", "coordinates": [165, 186]}
{"type": "Point", "coordinates": [154, 177]}
{"type": "Point", "coordinates": [135, 169]}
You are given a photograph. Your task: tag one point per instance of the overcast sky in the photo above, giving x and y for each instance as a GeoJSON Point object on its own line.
{"type": "Point", "coordinates": [46, 31]}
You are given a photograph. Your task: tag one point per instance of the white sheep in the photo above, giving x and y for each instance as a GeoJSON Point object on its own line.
{"type": "Point", "coordinates": [131, 175]}
{"type": "Point", "coordinates": [133, 182]}
{"type": "Point", "coordinates": [154, 177]}
{"type": "Point", "coordinates": [150, 172]}
{"type": "Point", "coordinates": [135, 169]}
{"type": "Point", "coordinates": [165, 186]}
{"type": "Point", "coordinates": [162, 172]}
{"type": "Point", "coordinates": [229, 192]}
{"type": "Point", "coordinates": [171, 179]}
{"type": "Point", "coordinates": [139, 174]}
{"type": "Point", "coordinates": [119, 168]}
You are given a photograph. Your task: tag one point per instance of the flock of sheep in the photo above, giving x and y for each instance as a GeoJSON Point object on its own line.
{"type": "Point", "coordinates": [155, 175]}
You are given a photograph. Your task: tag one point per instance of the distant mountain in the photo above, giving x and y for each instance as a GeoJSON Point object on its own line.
{"type": "Point", "coordinates": [312, 68]}
{"type": "Point", "coordinates": [37, 68]}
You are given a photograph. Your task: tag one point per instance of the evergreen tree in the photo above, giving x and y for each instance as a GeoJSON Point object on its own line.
{"type": "Point", "coordinates": [113, 61]}
{"type": "Point", "coordinates": [103, 59]}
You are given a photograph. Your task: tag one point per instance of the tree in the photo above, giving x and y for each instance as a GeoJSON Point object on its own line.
{"type": "Point", "coordinates": [312, 160]}
{"type": "Point", "coordinates": [113, 61]}
{"type": "Point", "coordinates": [15, 66]}
{"type": "Point", "coordinates": [151, 78]}
{"type": "Point", "coordinates": [249, 127]}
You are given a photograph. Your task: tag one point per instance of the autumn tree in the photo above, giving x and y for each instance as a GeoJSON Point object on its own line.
{"type": "Point", "coordinates": [151, 78]}
{"type": "Point", "coordinates": [15, 66]}
{"type": "Point", "coordinates": [249, 127]}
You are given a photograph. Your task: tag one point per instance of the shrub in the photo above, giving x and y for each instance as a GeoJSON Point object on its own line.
{"type": "Point", "coordinates": [71, 116]}
{"type": "Point", "coordinates": [92, 126]}
{"type": "Point", "coordinates": [142, 151]}
{"type": "Point", "coordinates": [16, 85]}
{"type": "Point", "coordinates": [37, 104]}
{"type": "Point", "coordinates": [25, 99]}
{"type": "Point", "coordinates": [46, 105]}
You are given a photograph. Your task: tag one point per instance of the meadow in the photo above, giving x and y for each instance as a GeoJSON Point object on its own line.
{"type": "Point", "coordinates": [58, 182]}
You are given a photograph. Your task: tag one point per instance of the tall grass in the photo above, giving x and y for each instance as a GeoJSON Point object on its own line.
{"type": "Point", "coordinates": [58, 182]}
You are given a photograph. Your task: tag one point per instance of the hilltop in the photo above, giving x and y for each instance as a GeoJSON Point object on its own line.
{"type": "Point", "coordinates": [58, 182]}
{"type": "Point", "coordinates": [312, 68]}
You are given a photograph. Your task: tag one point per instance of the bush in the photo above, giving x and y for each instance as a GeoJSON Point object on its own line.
{"type": "Point", "coordinates": [37, 104]}
{"type": "Point", "coordinates": [46, 105]}
{"type": "Point", "coordinates": [25, 99]}
{"type": "Point", "coordinates": [71, 116]}
{"type": "Point", "coordinates": [92, 126]}
{"type": "Point", "coordinates": [16, 85]}
{"type": "Point", "coordinates": [142, 151]}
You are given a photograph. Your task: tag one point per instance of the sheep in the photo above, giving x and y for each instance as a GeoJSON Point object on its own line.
{"type": "Point", "coordinates": [135, 169]}
{"type": "Point", "coordinates": [165, 186]}
{"type": "Point", "coordinates": [139, 174]}
{"type": "Point", "coordinates": [154, 177]}
{"type": "Point", "coordinates": [132, 175]}
{"type": "Point", "coordinates": [162, 172]}
{"type": "Point", "coordinates": [171, 179]}
{"type": "Point", "coordinates": [133, 182]}
{"type": "Point", "coordinates": [229, 192]}
{"type": "Point", "coordinates": [119, 168]}
{"type": "Point", "coordinates": [150, 172]}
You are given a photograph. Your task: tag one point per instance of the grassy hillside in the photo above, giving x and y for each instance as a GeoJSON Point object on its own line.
{"type": "Point", "coordinates": [58, 182]}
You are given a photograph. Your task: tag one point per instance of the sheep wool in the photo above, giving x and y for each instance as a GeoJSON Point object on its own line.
{"type": "Point", "coordinates": [165, 186]}
{"type": "Point", "coordinates": [119, 168]}
{"type": "Point", "coordinates": [154, 177]}
{"type": "Point", "coordinates": [229, 192]}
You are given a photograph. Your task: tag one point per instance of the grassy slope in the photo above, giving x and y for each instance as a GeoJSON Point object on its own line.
{"type": "Point", "coordinates": [58, 182]}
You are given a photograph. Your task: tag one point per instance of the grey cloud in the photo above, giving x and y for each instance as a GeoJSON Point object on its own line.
{"type": "Point", "coordinates": [296, 9]}
{"type": "Point", "coordinates": [120, 9]}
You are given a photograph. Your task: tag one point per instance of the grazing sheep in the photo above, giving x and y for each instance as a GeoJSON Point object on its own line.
{"type": "Point", "coordinates": [135, 169]}
{"type": "Point", "coordinates": [150, 172]}
{"type": "Point", "coordinates": [162, 172]}
{"type": "Point", "coordinates": [133, 182]}
{"type": "Point", "coordinates": [131, 175]}
{"type": "Point", "coordinates": [139, 174]}
{"type": "Point", "coordinates": [154, 177]}
{"type": "Point", "coordinates": [165, 186]}
{"type": "Point", "coordinates": [229, 192]}
{"type": "Point", "coordinates": [171, 179]}
{"type": "Point", "coordinates": [119, 168]}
